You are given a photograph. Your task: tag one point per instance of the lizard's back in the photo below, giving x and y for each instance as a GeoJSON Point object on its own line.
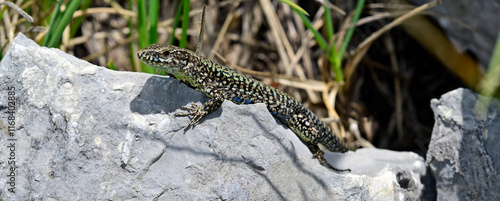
{"type": "Point", "coordinates": [242, 89]}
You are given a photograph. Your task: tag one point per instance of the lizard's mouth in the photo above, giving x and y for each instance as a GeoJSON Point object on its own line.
{"type": "Point", "coordinates": [148, 58]}
{"type": "Point", "coordinates": [154, 60]}
{"type": "Point", "coordinates": [160, 63]}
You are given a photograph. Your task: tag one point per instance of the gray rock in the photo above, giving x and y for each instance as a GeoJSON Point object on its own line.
{"type": "Point", "coordinates": [463, 154]}
{"type": "Point", "coordinates": [86, 132]}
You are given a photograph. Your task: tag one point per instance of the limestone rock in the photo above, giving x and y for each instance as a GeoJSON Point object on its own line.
{"type": "Point", "coordinates": [463, 154]}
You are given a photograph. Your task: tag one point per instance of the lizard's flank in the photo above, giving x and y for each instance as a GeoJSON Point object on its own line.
{"type": "Point", "coordinates": [220, 83]}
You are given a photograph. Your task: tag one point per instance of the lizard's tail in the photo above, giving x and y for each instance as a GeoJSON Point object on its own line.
{"type": "Point", "coordinates": [333, 143]}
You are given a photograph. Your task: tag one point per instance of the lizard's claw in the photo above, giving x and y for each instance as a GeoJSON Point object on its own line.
{"type": "Point", "coordinates": [319, 154]}
{"type": "Point", "coordinates": [195, 111]}
{"type": "Point", "coordinates": [192, 110]}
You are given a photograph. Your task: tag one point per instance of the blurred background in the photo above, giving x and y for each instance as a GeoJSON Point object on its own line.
{"type": "Point", "coordinates": [367, 68]}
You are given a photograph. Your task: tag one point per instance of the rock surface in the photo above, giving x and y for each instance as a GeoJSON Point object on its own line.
{"type": "Point", "coordinates": [78, 131]}
{"type": "Point", "coordinates": [464, 154]}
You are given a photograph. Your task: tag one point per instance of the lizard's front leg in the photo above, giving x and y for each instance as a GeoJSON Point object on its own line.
{"type": "Point", "coordinates": [198, 112]}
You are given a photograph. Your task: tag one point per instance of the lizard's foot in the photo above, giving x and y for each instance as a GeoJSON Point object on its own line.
{"type": "Point", "coordinates": [196, 111]}
{"type": "Point", "coordinates": [319, 154]}
{"type": "Point", "coordinates": [192, 110]}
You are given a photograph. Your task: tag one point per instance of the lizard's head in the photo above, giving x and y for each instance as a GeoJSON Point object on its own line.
{"type": "Point", "coordinates": [175, 61]}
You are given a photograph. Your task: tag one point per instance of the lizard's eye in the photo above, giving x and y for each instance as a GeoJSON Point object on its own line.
{"type": "Point", "coordinates": [165, 53]}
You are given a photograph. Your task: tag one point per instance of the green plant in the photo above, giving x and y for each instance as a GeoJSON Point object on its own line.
{"type": "Point", "coordinates": [334, 56]}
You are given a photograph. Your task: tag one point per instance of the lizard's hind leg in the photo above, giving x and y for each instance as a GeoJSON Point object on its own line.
{"type": "Point", "coordinates": [319, 154]}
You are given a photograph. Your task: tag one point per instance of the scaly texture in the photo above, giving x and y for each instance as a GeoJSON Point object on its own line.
{"type": "Point", "coordinates": [220, 83]}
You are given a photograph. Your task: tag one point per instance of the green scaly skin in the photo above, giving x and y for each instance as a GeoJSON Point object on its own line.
{"type": "Point", "coordinates": [220, 83]}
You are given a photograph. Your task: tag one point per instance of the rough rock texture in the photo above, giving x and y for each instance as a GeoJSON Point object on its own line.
{"type": "Point", "coordinates": [475, 25]}
{"type": "Point", "coordinates": [85, 132]}
{"type": "Point", "coordinates": [464, 154]}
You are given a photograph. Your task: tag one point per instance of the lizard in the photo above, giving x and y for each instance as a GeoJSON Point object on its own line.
{"type": "Point", "coordinates": [220, 83]}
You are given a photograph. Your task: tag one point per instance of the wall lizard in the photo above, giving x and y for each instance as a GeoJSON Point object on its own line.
{"type": "Point", "coordinates": [220, 83]}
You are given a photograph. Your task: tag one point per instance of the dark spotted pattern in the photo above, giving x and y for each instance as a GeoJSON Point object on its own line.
{"type": "Point", "coordinates": [220, 83]}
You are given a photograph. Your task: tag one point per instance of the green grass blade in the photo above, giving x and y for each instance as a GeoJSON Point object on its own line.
{"type": "Point", "coordinates": [132, 54]}
{"type": "Point", "coordinates": [328, 23]}
{"type": "Point", "coordinates": [347, 39]}
{"type": "Point", "coordinates": [52, 23]}
{"type": "Point", "coordinates": [111, 65]}
{"type": "Point", "coordinates": [488, 86]}
{"type": "Point", "coordinates": [77, 22]}
{"type": "Point", "coordinates": [336, 65]}
{"type": "Point", "coordinates": [1, 16]}
{"type": "Point", "coordinates": [490, 81]}
{"type": "Point", "coordinates": [142, 24]}
{"type": "Point", "coordinates": [154, 9]}
{"type": "Point", "coordinates": [325, 47]}
{"type": "Point", "coordinates": [61, 25]}
{"type": "Point", "coordinates": [177, 19]}
{"type": "Point", "coordinates": [332, 51]}
{"type": "Point", "coordinates": [295, 7]}
{"type": "Point", "coordinates": [143, 32]}
{"type": "Point", "coordinates": [319, 38]}
{"type": "Point", "coordinates": [3, 11]}
{"type": "Point", "coordinates": [185, 23]}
